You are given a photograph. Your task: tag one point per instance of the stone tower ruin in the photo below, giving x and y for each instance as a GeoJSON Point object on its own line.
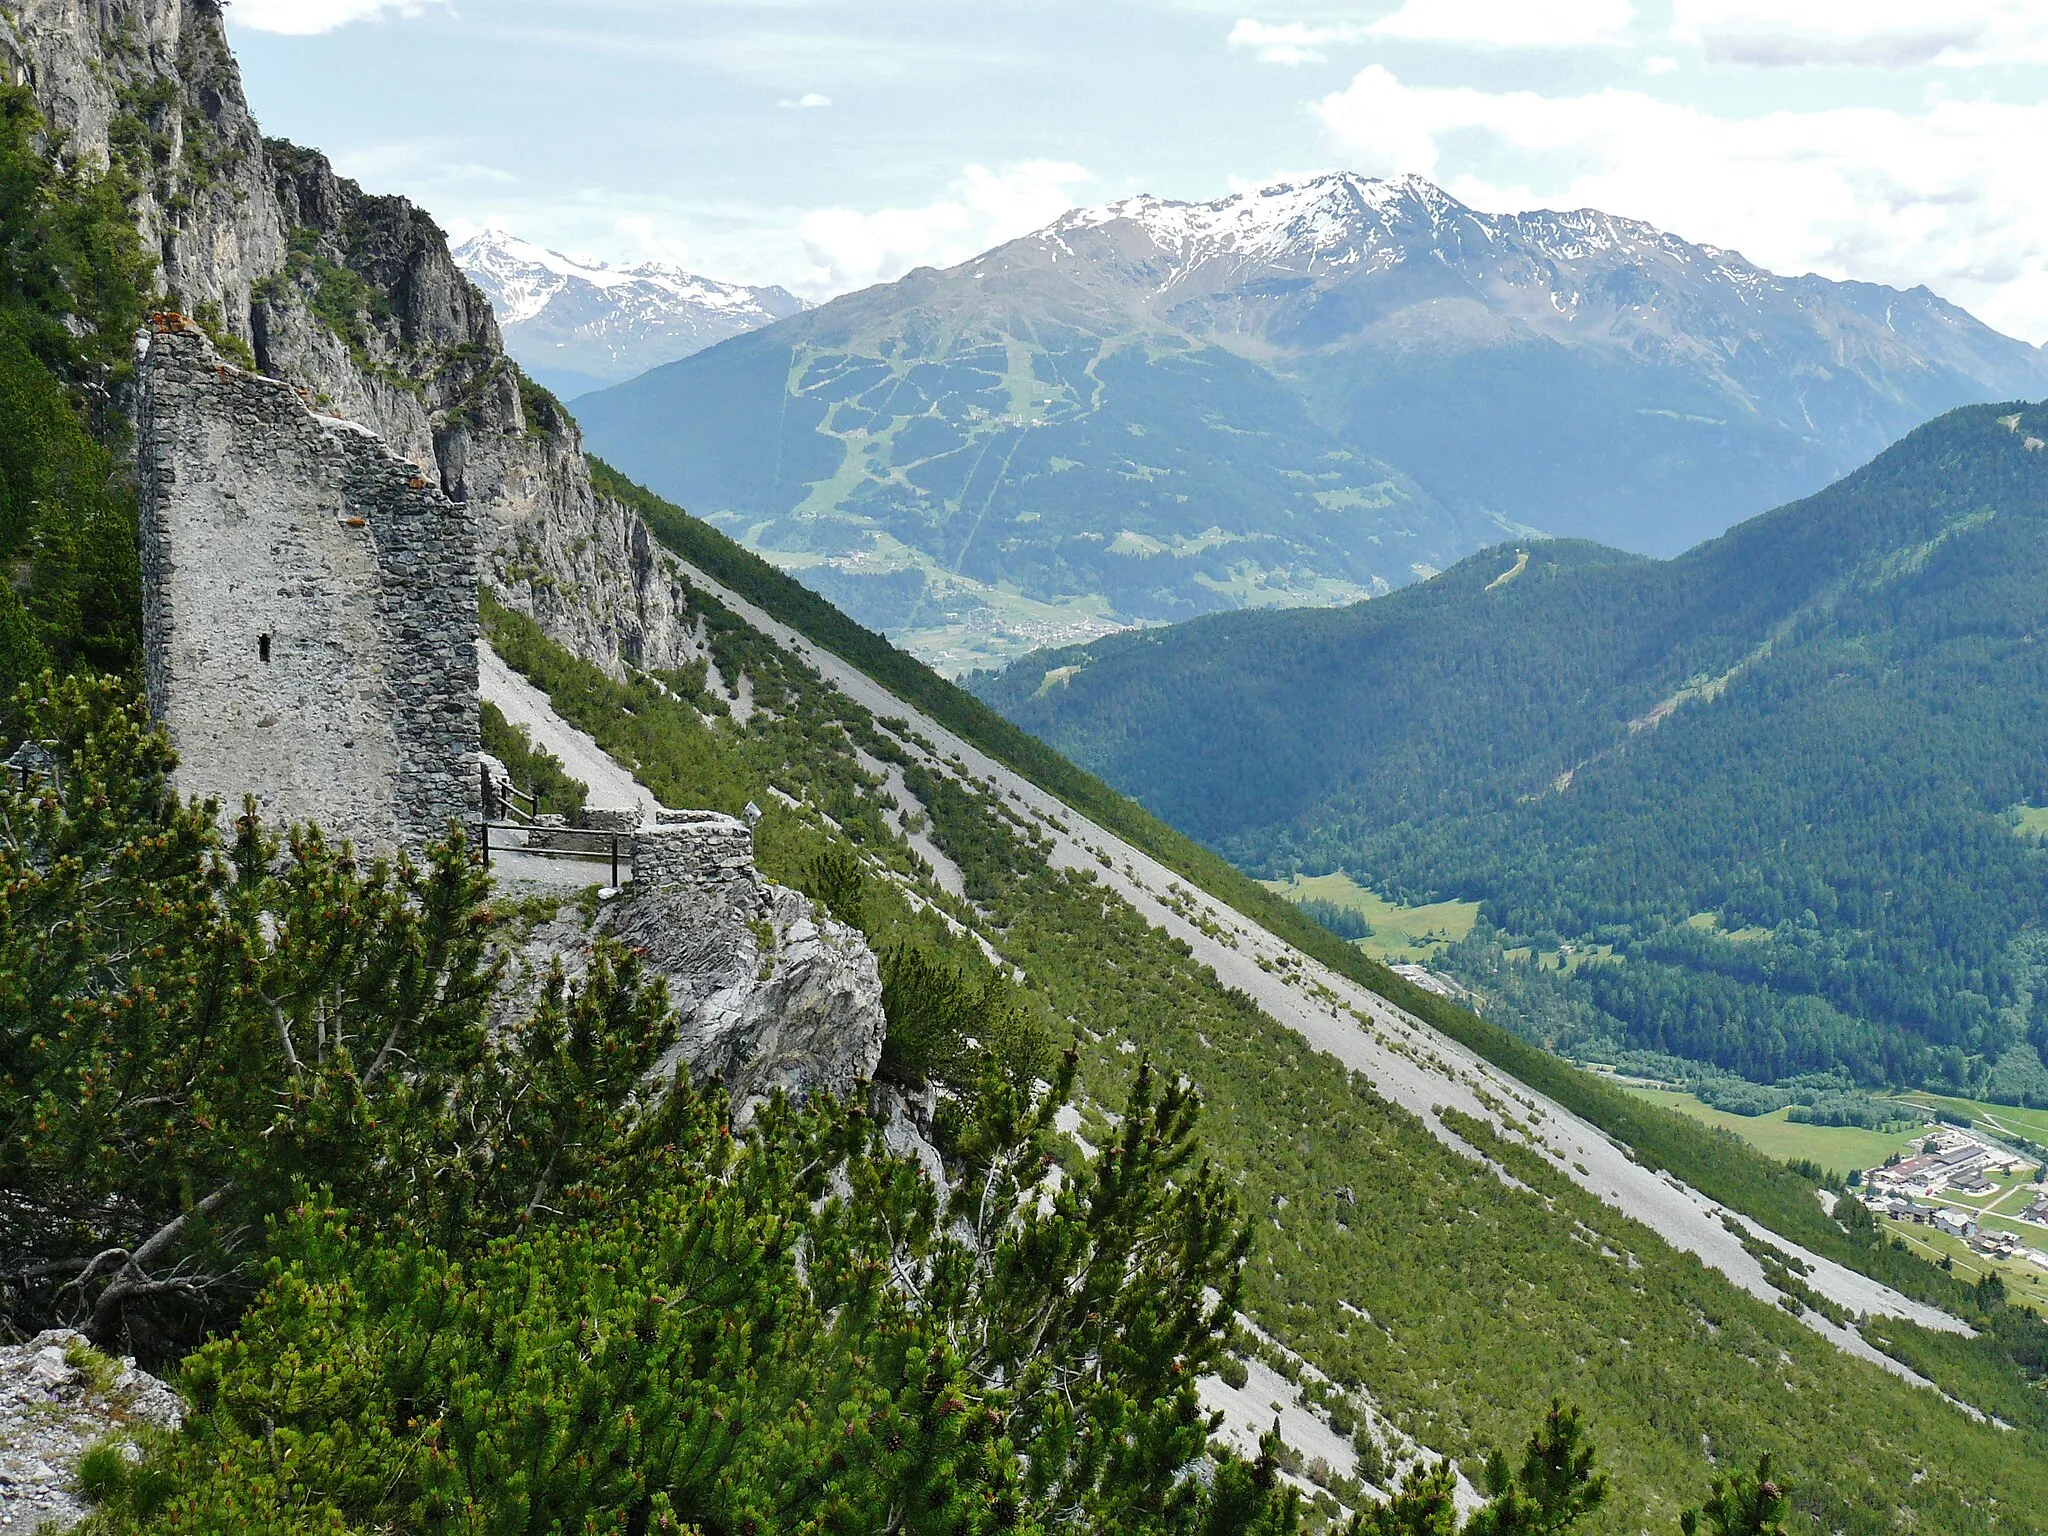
{"type": "Point", "coordinates": [309, 607]}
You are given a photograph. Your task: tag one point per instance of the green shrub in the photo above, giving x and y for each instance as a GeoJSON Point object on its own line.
{"type": "Point", "coordinates": [729, 1350]}
{"type": "Point", "coordinates": [102, 1472]}
{"type": "Point", "coordinates": [74, 276]}
{"type": "Point", "coordinates": [834, 880]}
{"type": "Point", "coordinates": [192, 1030]}
{"type": "Point", "coordinates": [533, 769]}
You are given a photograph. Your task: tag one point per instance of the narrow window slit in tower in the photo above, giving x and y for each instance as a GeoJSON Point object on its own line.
{"type": "Point", "coordinates": [263, 647]}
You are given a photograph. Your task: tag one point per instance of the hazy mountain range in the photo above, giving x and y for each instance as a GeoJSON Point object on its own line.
{"type": "Point", "coordinates": [578, 325]}
{"type": "Point", "coordinates": [1304, 394]}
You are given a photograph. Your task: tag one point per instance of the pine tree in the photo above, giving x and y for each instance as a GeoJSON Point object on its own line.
{"type": "Point", "coordinates": [1743, 1506]}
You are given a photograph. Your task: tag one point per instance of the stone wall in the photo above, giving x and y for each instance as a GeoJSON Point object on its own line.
{"type": "Point", "coordinates": [309, 606]}
{"type": "Point", "coordinates": [697, 850]}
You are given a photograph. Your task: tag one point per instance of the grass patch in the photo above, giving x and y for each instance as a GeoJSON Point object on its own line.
{"type": "Point", "coordinates": [1837, 1148]}
{"type": "Point", "coordinates": [1998, 1119]}
{"type": "Point", "coordinates": [2031, 821]}
{"type": "Point", "coordinates": [2025, 1282]}
{"type": "Point", "coordinates": [99, 1371]}
{"type": "Point", "coordinates": [1710, 922]}
{"type": "Point", "coordinates": [1398, 933]}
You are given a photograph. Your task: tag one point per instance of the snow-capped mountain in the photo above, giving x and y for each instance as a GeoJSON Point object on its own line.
{"type": "Point", "coordinates": [577, 324]}
{"type": "Point", "coordinates": [1348, 257]}
{"type": "Point", "coordinates": [1297, 394]}
{"type": "Point", "coordinates": [1345, 224]}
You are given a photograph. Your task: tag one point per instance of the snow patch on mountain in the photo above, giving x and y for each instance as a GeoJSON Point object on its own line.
{"type": "Point", "coordinates": [1345, 220]}
{"type": "Point", "coordinates": [576, 322]}
{"type": "Point", "coordinates": [1280, 220]}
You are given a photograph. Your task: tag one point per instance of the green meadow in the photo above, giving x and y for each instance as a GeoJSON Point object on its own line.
{"type": "Point", "coordinates": [1837, 1148]}
{"type": "Point", "coordinates": [1398, 933]}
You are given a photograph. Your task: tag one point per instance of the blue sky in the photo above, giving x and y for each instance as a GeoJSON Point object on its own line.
{"type": "Point", "coordinates": [827, 144]}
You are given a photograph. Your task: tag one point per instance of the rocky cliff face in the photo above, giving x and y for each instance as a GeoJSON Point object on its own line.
{"type": "Point", "coordinates": [770, 992]}
{"type": "Point", "coordinates": [298, 272]}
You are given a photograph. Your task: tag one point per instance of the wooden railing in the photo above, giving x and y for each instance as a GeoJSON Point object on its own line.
{"type": "Point", "coordinates": [588, 843]}
{"type": "Point", "coordinates": [501, 801]}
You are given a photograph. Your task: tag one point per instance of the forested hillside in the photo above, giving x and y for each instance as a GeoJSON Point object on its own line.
{"type": "Point", "coordinates": [1782, 776]}
{"type": "Point", "coordinates": [72, 282]}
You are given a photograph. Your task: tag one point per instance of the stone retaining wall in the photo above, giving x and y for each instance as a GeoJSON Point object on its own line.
{"type": "Point", "coordinates": [698, 849]}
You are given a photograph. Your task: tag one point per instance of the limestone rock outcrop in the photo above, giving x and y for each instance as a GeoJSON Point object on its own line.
{"type": "Point", "coordinates": [770, 992]}
{"type": "Point", "coordinates": [56, 1400]}
{"type": "Point", "coordinates": [301, 275]}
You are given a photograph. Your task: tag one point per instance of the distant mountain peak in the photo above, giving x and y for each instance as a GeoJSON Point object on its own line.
{"type": "Point", "coordinates": [1341, 219]}
{"type": "Point", "coordinates": [578, 322]}
{"type": "Point", "coordinates": [1330, 213]}
{"type": "Point", "coordinates": [1304, 392]}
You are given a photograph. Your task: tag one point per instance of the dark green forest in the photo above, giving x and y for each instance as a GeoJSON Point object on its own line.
{"type": "Point", "coordinates": [1775, 781]}
{"type": "Point", "coordinates": [74, 282]}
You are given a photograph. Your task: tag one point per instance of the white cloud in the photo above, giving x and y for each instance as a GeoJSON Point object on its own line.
{"type": "Point", "coordinates": [1292, 42]}
{"type": "Point", "coordinates": [850, 249]}
{"type": "Point", "coordinates": [426, 169]}
{"type": "Point", "coordinates": [1475, 23]}
{"type": "Point", "coordinates": [1946, 194]}
{"type": "Point", "coordinates": [305, 17]}
{"type": "Point", "coordinates": [648, 241]}
{"type": "Point", "coordinates": [1887, 34]}
{"type": "Point", "coordinates": [809, 101]}
{"type": "Point", "coordinates": [1510, 23]}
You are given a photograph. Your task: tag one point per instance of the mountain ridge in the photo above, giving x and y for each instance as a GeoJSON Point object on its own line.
{"type": "Point", "coordinates": [1809, 730]}
{"type": "Point", "coordinates": [579, 324]}
{"type": "Point", "coordinates": [1307, 393]}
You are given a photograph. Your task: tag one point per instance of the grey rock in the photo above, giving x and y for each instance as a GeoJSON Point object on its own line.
{"type": "Point", "coordinates": [770, 993]}
{"type": "Point", "coordinates": [906, 1120]}
{"type": "Point", "coordinates": [51, 1414]}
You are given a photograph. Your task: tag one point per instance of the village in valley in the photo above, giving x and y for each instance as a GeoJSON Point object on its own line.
{"type": "Point", "coordinates": [1962, 1186]}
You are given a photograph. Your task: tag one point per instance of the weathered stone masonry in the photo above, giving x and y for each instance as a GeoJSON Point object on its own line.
{"type": "Point", "coordinates": [310, 607]}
